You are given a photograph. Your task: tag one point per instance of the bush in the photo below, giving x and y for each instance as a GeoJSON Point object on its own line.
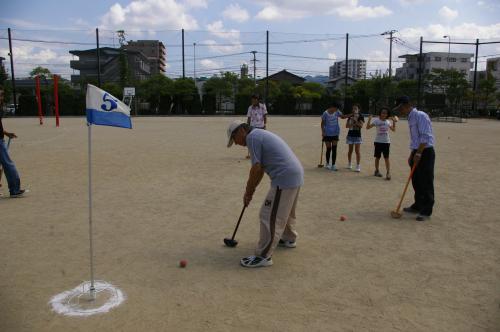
{"type": "Point", "coordinates": [28, 106]}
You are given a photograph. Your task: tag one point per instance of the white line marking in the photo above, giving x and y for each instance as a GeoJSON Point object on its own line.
{"type": "Point", "coordinates": [68, 303]}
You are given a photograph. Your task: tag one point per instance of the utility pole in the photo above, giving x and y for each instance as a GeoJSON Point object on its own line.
{"type": "Point", "coordinates": [346, 69]}
{"type": "Point", "coordinates": [449, 48]}
{"type": "Point", "coordinates": [254, 68]}
{"type": "Point", "coordinates": [98, 62]}
{"type": "Point", "coordinates": [420, 60]}
{"type": "Point", "coordinates": [267, 67]}
{"type": "Point", "coordinates": [194, 66]}
{"type": "Point", "coordinates": [11, 55]}
{"type": "Point", "coordinates": [474, 84]}
{"type": "Point", "coordinates": [183, 59]}
{"type": "Point", "coordinates": [390, 33]}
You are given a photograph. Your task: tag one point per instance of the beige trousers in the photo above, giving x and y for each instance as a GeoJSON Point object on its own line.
{"type": "Point", "coordinates": [277, 219]}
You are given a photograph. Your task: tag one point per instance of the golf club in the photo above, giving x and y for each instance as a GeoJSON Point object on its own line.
{"type": "Point", "coordinates": [232, 242]}
{"type": "Point", "coordinates": [321, 157]}
{"type": "Point", "coordinates": [396, 214]}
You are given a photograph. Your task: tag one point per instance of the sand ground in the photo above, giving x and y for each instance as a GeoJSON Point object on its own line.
{"type": "Point", "coordinates": [169, 189]}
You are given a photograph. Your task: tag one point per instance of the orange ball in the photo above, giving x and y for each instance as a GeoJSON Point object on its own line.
{"type": "Point", "coordinates": [183, 263]}
{"type": "Point", "coordinates": [343, 218]}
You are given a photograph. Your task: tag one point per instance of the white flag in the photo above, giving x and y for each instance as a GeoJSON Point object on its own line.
{"type": "Point", "coordinates": [105, 110]}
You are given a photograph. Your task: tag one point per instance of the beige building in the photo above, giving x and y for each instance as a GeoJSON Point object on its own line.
{"type": "Point", "coordinates": [493, 68]}
{"type": "Point", "coordinates": [356, 69]}
{"type": "Point", "coordinates": [154, 50]}
{"type": "Point", "coordinates": [461, 62]}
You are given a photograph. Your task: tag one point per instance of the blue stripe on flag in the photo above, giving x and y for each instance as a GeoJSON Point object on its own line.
{"type": "Point", "coordinates": [114, 119]}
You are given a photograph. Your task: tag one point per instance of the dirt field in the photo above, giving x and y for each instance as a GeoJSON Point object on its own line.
{"type": "Point", "coordinates": [169, 189]}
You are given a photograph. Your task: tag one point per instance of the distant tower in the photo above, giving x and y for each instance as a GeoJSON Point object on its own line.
{"type": "Point", "coordinates": [244, 71]}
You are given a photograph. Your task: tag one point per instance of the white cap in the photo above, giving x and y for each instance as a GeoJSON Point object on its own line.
{"type": "Point", "coordinates": [232, 127]}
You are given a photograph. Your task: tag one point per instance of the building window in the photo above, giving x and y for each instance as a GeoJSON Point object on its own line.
{"type": "Point", "coordinates": [437, 58]}
{"type": "Point", "coordinates": [452, 59]}
{"type": "Point", "coordinates": [464, 60]}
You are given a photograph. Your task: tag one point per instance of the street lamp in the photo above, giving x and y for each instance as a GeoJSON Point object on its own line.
{"type": "Point", "coordinates": [449, 46]}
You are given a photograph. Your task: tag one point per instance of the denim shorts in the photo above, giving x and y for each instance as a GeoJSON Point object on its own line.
{"type": "Point", "coordinates": [354, 140]}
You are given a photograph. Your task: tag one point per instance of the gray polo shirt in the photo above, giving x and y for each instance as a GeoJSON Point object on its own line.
{"type": "Point", "coordinates": [276, 157]}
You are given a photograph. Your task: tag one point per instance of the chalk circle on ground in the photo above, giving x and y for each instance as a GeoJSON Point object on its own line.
{"type": "Point", "coordinates": [79, 301]}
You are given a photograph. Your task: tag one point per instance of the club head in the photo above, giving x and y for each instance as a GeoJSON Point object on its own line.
{"type": "Point", "coordinates": [396, 214]}
{"type": "Point", "coordinates": [230, 242]}
{"type": "Point", "coordinates": [320, 166]}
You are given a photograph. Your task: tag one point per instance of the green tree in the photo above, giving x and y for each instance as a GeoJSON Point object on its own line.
{"type": "Point", "coordinates": [158, 90]}
{"type": "Point", "coordinates": [186, 96]}
{"type": "Point", "coordinates": [41, 71]}
{"type": "Point", "coordinates": [487, 89]}
{"type": "Point", "coordinates": [305, 94]}
{"type": "Point", "coordinates": [407, 88]}
{"type": "Point", "coordinates": [3, 75]}
{"type": "Point", "coordinates": [114, 89]}
{"type": "Point", "coordinates": [246, 86]}
{"type": "Point", "coordinates": [222, 86]}
{"type": "Point", "coordinates": [124, 69]}
{"type": "Point", "coordinates": [449, 81]}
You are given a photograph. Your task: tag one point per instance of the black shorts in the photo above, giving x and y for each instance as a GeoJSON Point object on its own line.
{"type": "Point", "coordinates": [331, 138]}
{"type": "Point", "coordinates": [382, 148]}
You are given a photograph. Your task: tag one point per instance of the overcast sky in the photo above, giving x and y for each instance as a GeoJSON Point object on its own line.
{"type": "Point", "coordinates": [305, 36]}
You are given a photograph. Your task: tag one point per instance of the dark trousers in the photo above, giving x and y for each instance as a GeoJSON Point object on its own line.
{"type": "Point", "coordinates": [423, 181]}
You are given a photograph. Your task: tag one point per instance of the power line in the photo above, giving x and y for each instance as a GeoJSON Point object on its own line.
{"type": "Point", "coordinates": [53, 41]}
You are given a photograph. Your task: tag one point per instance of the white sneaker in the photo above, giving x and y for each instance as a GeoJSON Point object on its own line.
{"type": "Point", "coordinates": [349, 166]}
{"type": "Point", "coordinates": [287, 244]}
{"type": "Point", "coordinates": [256, 261]}
{"type": "Point", "coordinates": [328, 166]}
{"type": "Point", "coordinates": [334, 168]}
{"type": "Point", "coordinates": [358, 168]}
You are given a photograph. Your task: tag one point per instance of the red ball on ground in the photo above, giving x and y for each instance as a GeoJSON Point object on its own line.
{"type": "Point", "coordinates": [343, 218]}
{"type": "Point", "coordinates": [183, 263]}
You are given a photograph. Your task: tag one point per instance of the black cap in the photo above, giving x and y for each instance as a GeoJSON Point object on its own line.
{"type": "Point", "coordinates": [256, 96]}
{"type": "Point", "coordinates": [403, 100]}
{"type": "Point", "coordinates": [335, 104]}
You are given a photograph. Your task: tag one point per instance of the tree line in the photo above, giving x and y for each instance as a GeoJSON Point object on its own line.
{"type": "Point", "coordinates": [445, 92]}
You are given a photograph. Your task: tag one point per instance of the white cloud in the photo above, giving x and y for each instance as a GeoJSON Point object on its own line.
{"type": "Point", "coordinates": [273, 13]}
{"type": "Point", "coordinates": [235, 13]}
{"type": "Point", "coordinates": [296, 9]}
{"type": "Point", "coordinates": [412, 2]}
{"type": "Point", "coordinates": [362, 12]}
{"type": "Point", "coordinates": [151, 15]}
{"type": "Point", "coordinates": [332, 56]}
{"type": "Point", "coordinates": [210, 64]}
{"type": "Point", "coordinates": [327, 44]}
{"type": "Point", "coordinates": [231, 39]}
{"type": "Point", "coordinates": [226, 48]}
{"type": "Point", "coordinates": [217, 29]}
{"type": "Point", "coordinates": [24, 24]}
{"type": "Point", "coordinates": [80, 22]}
{"type": "Point", "coordinates": [196, 3]}
{"type": "Point", "coordinates": [377, 55]}
{"type": "Point", "coordinates": [448, 13]}
{"type": "Point", "coordinates": [463, 31]}
{"type": "Point", "coordinates": [27, 57]}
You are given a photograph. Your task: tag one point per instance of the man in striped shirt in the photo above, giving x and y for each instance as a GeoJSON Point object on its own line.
{"type": "Point", "coordinates": [422, 155]}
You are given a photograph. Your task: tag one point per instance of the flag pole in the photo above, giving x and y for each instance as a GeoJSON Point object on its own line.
{"type": "Point", "coordinates": [92, 288]}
